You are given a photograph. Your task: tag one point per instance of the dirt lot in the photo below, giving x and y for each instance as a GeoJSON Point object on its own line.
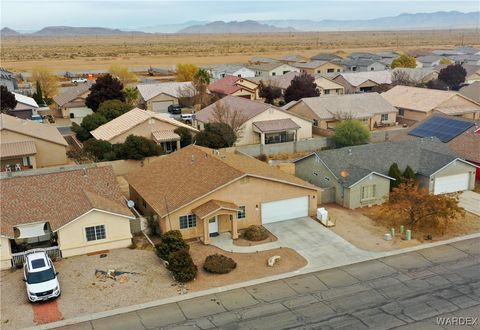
{"type": "Point", "coordinates": [365, 229]}
{"type": "Point", "coordinates": [99, 52]}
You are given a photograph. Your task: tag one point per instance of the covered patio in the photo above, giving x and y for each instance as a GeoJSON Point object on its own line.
{"type": "Point", "coordinates": [217, 217]}
{"type": "Point", "coordinates": [169, 140]}
{"type": "Point", "coordinates": [17, 156]}
{"type": "Point", "coordinates": [276, 131]}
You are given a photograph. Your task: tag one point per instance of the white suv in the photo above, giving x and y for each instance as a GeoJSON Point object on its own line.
{"type": "Point", "coordinates": [40, 277]}
{"type": "Point", "coordinates": [79, 81]}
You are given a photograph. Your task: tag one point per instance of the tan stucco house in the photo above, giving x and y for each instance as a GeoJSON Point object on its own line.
{"type": "Point", "coordinates": [327, 86]}
{"type": "Point", "coordinates": [318, 67]}
{"type": "Point", "coordinates": [357, 176]}
{"type": "Point", "coordinates": [262, 122]}
{"type": "Point", "coordinates": [25, 144]}
{"type": "Point", "coordinates": [71, 212]}
{"type": "Point", "coordinates": [158, 97]}
{"type": "Point", "coordinates": [70, 103]}
{"type": "Point", "coordinates": [236, 86]}
{"type": "Point", "coordinates": [327, 111]}
{"type": "Point", "coordinates": [415, 104]}
{"type": "Point", "coordinates": [266, 70]}
{"type": "Point", "coordinates": [362, 82]}
{"type": "Point", "coordinates": [155, 126]}
{"type": "Point", "coordinates": [217, 192]}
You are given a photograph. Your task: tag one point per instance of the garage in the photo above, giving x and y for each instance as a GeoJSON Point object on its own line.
{"type": "Point", "coordinates": [451, 183]}
{"type": "Point", "coordinates": [161, 106]}
{"type": "Point", "coordinates": [284, 209]}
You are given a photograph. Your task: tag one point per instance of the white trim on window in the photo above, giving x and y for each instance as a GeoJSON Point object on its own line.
{"type": "Point", "coordinates": [187, 221]}
{"type": "Point", "coordinates": [95, 232]}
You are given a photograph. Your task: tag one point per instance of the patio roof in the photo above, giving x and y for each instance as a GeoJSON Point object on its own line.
{"type": "Point", "coordinates": [165, 135]}
{"type": "Point", "coordinates": [276, 125]}
{"type": "Point", "coordinates": [18, 148]}
{"type": "Point", "coordinates": [213, 206]}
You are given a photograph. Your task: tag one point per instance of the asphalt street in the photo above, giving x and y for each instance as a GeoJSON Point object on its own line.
{"type": "Point", "coordinates": [406, 291]}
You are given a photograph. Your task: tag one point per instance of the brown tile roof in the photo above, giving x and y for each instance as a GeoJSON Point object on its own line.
{"type": "Point", "coordinates": [71, 93]}
{"type": "Point", "coordinates": [18, 148]}
{"type": "Point", "coordinates": [180, 178]}
{"type": "Point", "coordinates": [275, 125]}
{"type": "Point", "coordinates": [27, 127]}
{"type": "Point", "coordinates": [58, 197]}
{"type": "Point", "coordinates": [225, 85]}
{"type": "Point", "coordinates": [165, 135]}
{"type": "Point", "coordinates": [213, 206]}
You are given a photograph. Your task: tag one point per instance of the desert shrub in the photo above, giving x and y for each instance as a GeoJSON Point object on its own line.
{"type": "Point", "coordinates": [255, 233]}
{"type": "Point", "coordinates": [182, 267]}
{"type": "Point", "coordinates": [170, 242]}
{"type": "Point", "coordinates": [219, 264]}
{"type": "Point", "coordinates": [262, 157]}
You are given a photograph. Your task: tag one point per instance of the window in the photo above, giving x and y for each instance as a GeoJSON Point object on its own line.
{"type": "Point", "coordinates": [372, 69]}
{"type": "Point", "coordinates": [384, 117]}
{"type": "Point", "coordinates": [330, 70]}
{"type": "Point", "coordinates": [319, 71]}
{"type": "Point", "coordinates": [188, 221]}
{"type": "Point", "coordinates": [274, 73]}
{"type": "Point", "coordinates": [95, 233]}
{"type": "Point", "coordinates": [326, 91]}
{"type": "Point", "coordinates": [241, 212]}
{"type": "Point", "coordinates": [401, 112]}
{"type": "Point", "coordinates": [368, 192]}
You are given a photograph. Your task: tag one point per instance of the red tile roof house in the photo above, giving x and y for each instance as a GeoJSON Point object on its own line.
{"type": "Point", "coordinates": [237, 86]}
{"type": "Point", "coordinates": [71, 212]}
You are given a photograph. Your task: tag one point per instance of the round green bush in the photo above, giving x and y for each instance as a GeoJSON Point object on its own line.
{"type": "Point", "coordinates": [219, 264]}
{"type": "Point", "coordinates": [182, 267]}
{"type": "Point", "coordinates": [255, 233]}
{"type": "Point", "coordinates": [170, 242]}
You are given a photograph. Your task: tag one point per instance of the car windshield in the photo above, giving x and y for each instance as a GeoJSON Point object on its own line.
{"type": "Point", "coordinates": [40, 277]}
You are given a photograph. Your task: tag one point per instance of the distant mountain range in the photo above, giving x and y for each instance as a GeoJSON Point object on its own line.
{"type": "Point", "coordinates": [419, 21]}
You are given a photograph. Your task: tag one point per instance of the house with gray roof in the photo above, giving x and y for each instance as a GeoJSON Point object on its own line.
{"type": "Point", "coordinates": [272, 69]}
{"type": "Point", "coordinates": [326, 57]}
{"type": "Point", "coordinates": [363, 64]}
{"type": "Point", "coordinates": [428, 61]}
{"type": "Point", "coordinates": [8, 80]}
{"type": "Point", "coordinates": [70, 103]}
{"type": "Point", "coordinates": [357, 176]}
{"type": "Point", "coordinates": [237, 70]}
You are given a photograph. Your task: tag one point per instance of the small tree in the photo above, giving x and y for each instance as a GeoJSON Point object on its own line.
{"type": "Point", "coordinates": [92, 121]}
{"type": "Point", "coordinates": [437, 84]}
{"type": "Point", "coordinates": [38, 95]}
{"type": "Point", "coordinates": [409, 174]}
{"type": "Point", "coordinates": [97, 149]}
{"type": "Point", "coordinates": [170, 242]}
{"type": "Point", "coordinates": [182, 267]}
{"type": "Point", "coordinates": [351, 132]}
{"type": "Point", "coordinates": [138, 147]}
{"type": "Point", "coordinates": [185, 72]}
{"type": "Point", "coordinates": [404, 61]}
{"type": "Point", "coordinates": [395, 173]}
{"type": "Point", "coordinates": [402, 77]}
{"type": "Point", "coordinates": [216, 136]}
{"type": "Point", "coordinates": [269, 92]}
{"type": "Point", "coordinates": [222, 113]}
{"type": "Point", "coordinates": [446, 61]}
{"type": "Point", "coordinates": [201, 80]}
{"type": "Point", "coordinates": [105, 88]}
{"type": "Point", "coordinates": [81, 133]}
{"type": "Point", "coordinates": [417, 208]}
{"type": "Point", "coordinates": [123, 74]}
{"type": "Point", "coordinates": [112, 109]}
{"type": "Point", "coordinates": [185, 136]}
{"type": "Point", "coordinates": [7, 100]}
{"type": "Point", "coordinates": [131, 96]}
{"type": "Point", "coordinates": [301, 86]}
{"type": "Point", "coordinates": [453, 75]}
{"type": "Point", "coordinates": [48, 81]}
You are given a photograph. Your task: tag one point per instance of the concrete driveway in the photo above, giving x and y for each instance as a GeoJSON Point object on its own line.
{"type": "Point", "coordinates": [318, 244]}
{"type": "Point", "coordinates": [470, 201]}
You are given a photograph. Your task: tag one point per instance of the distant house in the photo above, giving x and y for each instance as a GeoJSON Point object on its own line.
{"type": "Point", "coordinates": [473, 73]}
{"type": "Point", "coordinates": [158, 97]}
{"type": "Point", "coordinates": [25, 108]}
{"type": "Point", "coordinates": [327, 111]}
{"type": "Point", "coordinates": [318, 67]}
{"type": "Point", "coordinates": [8, 80]}
{"type": "Point", "coordinates": [415, 104]}
{"type": "Point", "coordinates": [282, 81]}
{"type": "Point", "coordinates": [74, 212]}
{"type": "Point", "coordinates": [271, 69]}
{"type": "Point", "coordinates": [326, 57]}
{"type": "Point", "coordinates": [362, 82]}
{"type": "Point", "coordinates": [233, 85]}
{"type": "Point", "coordinates": [466, 59]}
{"type": "Point", "coordinates": [420, 75]}
{"type": "Point", "coordinates": [472, 91]}
{"type": "Point", "coordinates": [364, 56]}
{"type": "Point", "coordinates": [262, 123]}
{"type": "Point", "coordinates": [327, 86]}
{"type": "Point", "coordinates": [428, 61]}
{"type": "Point", "coordinates": [218, 192]}
{"type": "Point", "coordinates": [25, 144]}
{"type": "Point", "coordinates": [237, 70]}
{"type": "Point", "coordinates": [357, 176]}
{"type": "Point", "coordinates": [362, 65]}
{"type": "Point", "coordinates": [262, 60]}
{"type": "Point", "coordinates": [70, 103]}
{"type": "Point", "coordinates": [154, 126]}
{"type": "Point", "coordinates": [292, 58]}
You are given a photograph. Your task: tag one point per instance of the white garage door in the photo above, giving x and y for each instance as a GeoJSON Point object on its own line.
{"type": "Point", "coordinates": [285, 209]}
{"type": "Point", "coordinates": [161, 106]}
{"type": "Point", "coordinates": [452, 183]}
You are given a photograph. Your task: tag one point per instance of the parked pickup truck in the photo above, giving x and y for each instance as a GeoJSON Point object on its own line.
{"type": "Point", "coordinates": [79, 81]}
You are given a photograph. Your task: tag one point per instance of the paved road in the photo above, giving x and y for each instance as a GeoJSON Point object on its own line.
{"type": "Point", "coordinates": [406, 291]}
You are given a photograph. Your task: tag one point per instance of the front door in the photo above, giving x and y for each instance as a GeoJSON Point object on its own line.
{"type": "Point", "coordinates": [213, 226]}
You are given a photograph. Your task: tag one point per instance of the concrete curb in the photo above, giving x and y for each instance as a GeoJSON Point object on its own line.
{"type": "Point", "coordinates": [305, 270]}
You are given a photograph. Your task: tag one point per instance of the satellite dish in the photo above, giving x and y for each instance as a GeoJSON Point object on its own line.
{"type": "Point", "coordinates": [130, 203]}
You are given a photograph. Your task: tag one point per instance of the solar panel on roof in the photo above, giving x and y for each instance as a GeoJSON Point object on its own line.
{"type": "Point", "coordinates": [443, 128]}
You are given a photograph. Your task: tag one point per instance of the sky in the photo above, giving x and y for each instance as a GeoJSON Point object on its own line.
{"type": "Point", "coordinates": [126, 14]}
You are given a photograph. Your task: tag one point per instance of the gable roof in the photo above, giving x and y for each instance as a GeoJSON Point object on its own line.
{"type": "Point", "coordinates": [71, 93]}
{"type": "Point", "coordinates": [59, 197]}
{"type": "Point", "coordinates": [428, 58]}
{"type": "Point", "coordinates": [267, 66]}
{"type": "Point", "coordinates": [281, 81]}
{"type": "Point", "coordinates": [228, 69]}
{"type": "Point", "coordinates": [425, 100]}
{"type": "Point", "coordinates": [472, 91]}
{"type": "Point", "coordinates": [358, 78]}
{"type": "Point", "coordinates": [25, 100]}
{"type": "Point", "coordinates": [292, 58]}
{"type": "Point", "coordinates": [424, 156]}
{"type": "Point", "coordinates": [30, 128]}
{"type": "Point", "coordinates": [17, 148]}
{"type": "Point", "coordinates": [129, 120]}
{"type": "Point", "coordinates": [309, 65]}
{"type": "Point", "coordinates": [149, 91]}
{"type": "Point", "coordinates": [417, 74]}
{"type": "Point", "coordinates": [226, 85]}
{"type": "Point", "coordinates": [325, 57]}
{"type": "Point", "coordinates": [203, 171]}
{"type": "Point", "coordinates": [356, 105]}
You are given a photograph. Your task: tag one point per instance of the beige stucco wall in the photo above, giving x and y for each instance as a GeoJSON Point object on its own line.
{"type": "Point", "coordinates": [48, 153]}
{"type": "Point", "coordinates": [471, 109]}
{"type": "Point", "coordinates": [72, 240]}
{"type": "Point", "coordinates": [160, 97]}
{"type": "Point", "coordinates": [249, 192]}
{"type": "Point", "coordinates": [249, 136]}
{"type": "Point", "coordinates": [5, 253]}
{"type": "Point", "coordinates": [414, 115]}
{"type": "Point", "coordinates": [354, 194]}
{"type": "Point", "coordinates": [392, 118]}
{"type": "Point", "coordinates": [323, 69]}
{"type": "Point", "coordinates": [454, 168]}
{"type": "Point", "coordinates": [144, 129]}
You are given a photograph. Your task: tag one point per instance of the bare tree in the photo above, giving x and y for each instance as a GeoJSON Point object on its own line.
{"type": "Point", "coordinates": [402, 77]}
{"type": "Point", "coordinates": [222, 113]}
{"type": "Point", "coordinates": [187, 95]}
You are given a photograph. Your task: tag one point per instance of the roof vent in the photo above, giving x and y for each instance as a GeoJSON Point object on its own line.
{"type": "Point", "coordinates": [84, 172]}
{"type": "Point", "coordinates": [349, 151]}
{"type": "Point", "coordinates": [193, 159]}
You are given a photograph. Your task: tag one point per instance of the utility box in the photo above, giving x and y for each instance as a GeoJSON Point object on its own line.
{"type": "Point", "coordinates": [322, 214]}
